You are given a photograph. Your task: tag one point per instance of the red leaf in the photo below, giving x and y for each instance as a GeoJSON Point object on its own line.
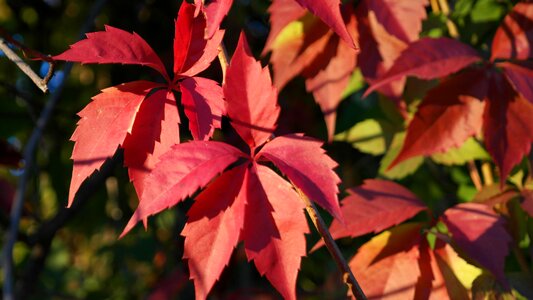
{"type": "Point", "coordinates": [329, 83]}
{"type": "Point", "coordinates": [104, 124]}
{"type": "Point", "coordinates": [213, 227]}
{"type": "Point", "coordinates": [375, 206]}
{"type": "Point", "coordinates": [429, 58]}
{"type": "Point", "coordinates": [329, 12]}
{"type": "Point", "coordinates": [520, 75]}
{"type": "Point", "coordinates": [448, 115]}
{"type": "Point", "coordinates": [278, 259]}
{"type": "Point", "coordinates": [527, 201]}
{"type": "Point", "coordinates": [204, 106]}
{"type": "Point", "coordinates": [386, 266]}
{"type": "Point", "coordinates": [481, 234]}
{"type": "Point", "coordinates": [401, 18]}
{"type": "Point", "coordinates": [507, 127]}
{"type": "Point", "coordinates": [282, 13]}
{"type": "Point", "coordinates": [514, 37]}
{"type": "Point", "coordinates": [252, 100]}
{"type": "Point", "coordinates": [215, 12]}
{"type": "Point", "coordinates": [179, 173]}
{"type": "Point", "coordinates": [305, 163]}
{"type": "Point", "coordinates": [155, 131]}
{"type": "Point", "coordinates": [113, 46]}
{"type": "Point", "coordinates": [193, 53]}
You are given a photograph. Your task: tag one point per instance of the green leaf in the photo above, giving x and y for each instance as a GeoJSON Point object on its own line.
{"type": "Point", "coordinates": [402, 169]}
{"type": "Point", "coordinates": [356, 83]}
{"type": "Point", "coordinates": [371, 136]}
{"type": "Point", "coordinates": [470, 150]}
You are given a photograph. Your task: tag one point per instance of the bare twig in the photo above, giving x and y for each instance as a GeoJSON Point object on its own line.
{"type": "Point", "coordinates": [29, 158]}
{"type": "Point", "coordinates": [474, 175]}
{"type": "Point", "coordinates": [342, 265]}
{"type": "Point", "coordinates": [40, 83]}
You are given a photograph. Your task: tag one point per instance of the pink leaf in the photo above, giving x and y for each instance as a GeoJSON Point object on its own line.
{"type": "Point", "coordinates": [252, 100]}
{"type": "Point", "coordinates": [113, 46]}
{"type": "Point", "coordinates": [280, 258]}
{"type": "Point", "coordinates": [507, 126]}
{"type": "Point", "coordinates": [155, 131]}
{"type": "Point", "coordinates": [527, 201]}
{"type": "Point", "coordinates": [193, 53]}
{"type": "Point", "coordinates": [481, 234]}
{"type": "Point", "coordinates": [329, 12]}
{"type": "Point", "coordinates": [104, 124]}
{"type": "Point", "coordinates": [514, 37]}
{"type": "Point", "coordinates": [520, 75]}
{"type": "Point", "coordinates": [448, 115]}
{"type": "Point", "coordinates": [213, 227]}
{"type": "Point", "coordinates": [429, 58]}
{"type": "Point", "coordinates": [204, 106]}
{"type": "Point", "coordinates": [179, 173]}
{"type": "Point", "coordinates": [215, 12]}
{"type": "Point", "coordinates": [375, 206]}
{"type": "Point", "coordinates": [305, 163]}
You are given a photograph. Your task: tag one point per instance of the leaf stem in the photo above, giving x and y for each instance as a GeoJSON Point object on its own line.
{"type": "Point", "coordinates": [474, 175]}
{"type": "Point", "coordinates": [445, 10]}
{"type": "Point", "coordinates": [342, 265]}
{"type": "Point", "coordinates": [223, 59]}
{"type": "Point", "coordinates": [486, 171]}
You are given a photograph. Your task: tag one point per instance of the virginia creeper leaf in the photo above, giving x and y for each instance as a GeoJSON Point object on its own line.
{"type": "Point", "coordinates": [481, 234]}
{"type": "Point", "coordinates": [155, 130]}
{"type": "Point", "coordinates": [329, 12]}
{"type": "Point", "coordinates": [386, 266]}
{"type": "Point", "coordinates": [279, 260]}
{"type": "Point", "coordinates": [215, 12]}
{"type": "Point", "coordinates": [507, 126]}
{"type": "Point", "coordinates": [179, 173]}
{"type": "Point", "coordinates": [449, 114]}
{"type": "Point", "coordinates": [520, 75]}
{"type": "Point", "coordinates": [514, 37]}
{"type": "Point", "coordinates": [527, 201]}
{"type": "Point", "coordinates": [305, 163]}
{"type": "Point", "coordinates": [252, 100]}
{"type": "Point", "coordinates": [204, 106]}
{"type": "Point", "coordinates": [104, 124]}
{"type": "Point", "coordinates": [113, 46]}
{"type": "Point", "coordinates": [429, 58]}
{"type": "Point", "coordinates": [282, 13]}
{"type": "Point", "coordinates": [212, 230]}
{"type": "Point", "coordinates": [375, 206]}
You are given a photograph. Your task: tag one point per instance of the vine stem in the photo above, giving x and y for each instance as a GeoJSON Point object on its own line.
{"type": "Point", "coordinates": [474, 175]}
{"type": "Point", "coordinates": [312, 211]}
{"type": "Point", "coordinates": [11, 55]}
{"type": "Point", "coordinates": [441, 6]}
{"type": "Point", "coordinates": [342, 265]}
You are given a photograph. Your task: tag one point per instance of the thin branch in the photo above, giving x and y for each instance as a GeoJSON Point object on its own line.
{"type": "Point", "coordinates": [342, 265]}
{"type": "Point", "coordinates": [29, 158]}
{"type": "Point", "coordinates": [486, 171]}
{"type": "Point", "coordinates": [40, 83]}
{"type": "Point", "coordinates": [474, 175]}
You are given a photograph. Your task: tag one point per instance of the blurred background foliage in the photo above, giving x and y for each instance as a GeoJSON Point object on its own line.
{"type": "Point", "coordinates": [75, 253]}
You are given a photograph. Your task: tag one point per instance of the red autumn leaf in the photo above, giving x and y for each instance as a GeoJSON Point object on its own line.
{"type": "Point", "coordinates": [401, 18]}
{"type": "Point", "coordinates": [152, 125]}
{"type": "Point", "coordinates": [104, 125]}
{"type": "Point", "coordinates": [513, 39]}
{"type": "Point", "coordinates": [246, 79]}
{"type": "Point", "coordinates": [447, 116]}
{"type": "Point", "coordinates": [481, 234]}
{"type": "Point", "coordinates": [329, 12]}
{"type": "Point", "coordinates": [520, 75]}
{"type": "Point", "coordinates": [179, 173]}
{"type": "Point", "coordinates": [375, 206]}
{"type": "Point", "coordinates": [155, 130]}
{"type": "Point", "coordinates": [249, 202]}
{"type": "Point", "coordinates": [507, 126]}
{"type": "Point", "coordinates": [429, 58]}
{"type": "Point", "coordinates": [215, 12]}
{"type": "Point", "coordinates": [387, 265]}
{"type": "Point", "coordinates": [308, 167]}
{"type": "Point", "coordinates": [212, 230]}
{"type": "Point", "coordinates": [282, 13]}
{"type": "Point", "coordinates": [197, 95]}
